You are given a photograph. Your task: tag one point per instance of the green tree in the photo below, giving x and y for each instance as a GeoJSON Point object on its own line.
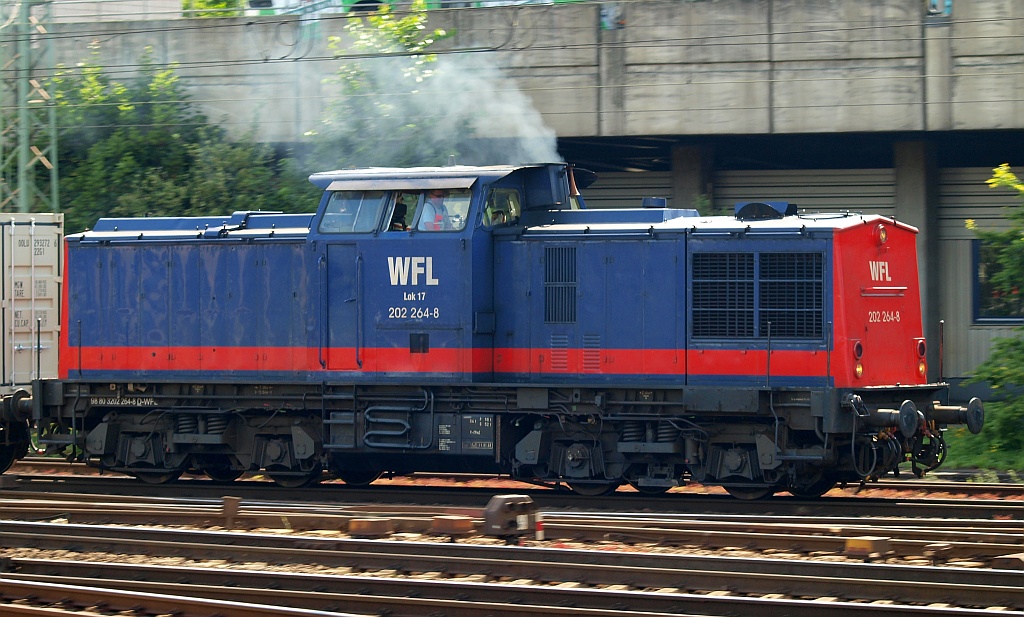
{"type": "Point", "coordinates": [213, 8]}
{"type": "Point", "coordinates": [141, 148]}
{"type": "Point", "coordinates": [391, 109]}
{"type": "Point", "coordinates": [1001, 444]}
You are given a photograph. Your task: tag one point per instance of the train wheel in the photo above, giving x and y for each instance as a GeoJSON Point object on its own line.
{"type": "Point", "coordinates": [750, 493]}
{"type": "Point", "coordinates": [8, 454]}
{"type": "Point", "coordinates": [814, 489]}
{"type": "Point", "coordinates": [593, 489]}
{"type": "Point", "coordinates": [157, 476]}
{"type": "Point", "coordinates": [359, 477]}
{"type": "Point", "coordinates": [650, 490]}
{"type": "Point", "coordinates": [18, 441]}
{"type": "Point", "coordinates": [219, 468]}
{"type": "Point", "coordinates": [223, 474]}
{"type": "Point", "coordinates": [296, 479]}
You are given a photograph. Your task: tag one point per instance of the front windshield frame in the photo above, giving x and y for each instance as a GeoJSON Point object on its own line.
{"type": "Point", "coordinates": [353, 211]}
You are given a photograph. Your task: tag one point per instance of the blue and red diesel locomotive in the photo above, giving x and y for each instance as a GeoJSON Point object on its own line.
{"type": "Point", "coordinates": [479, 319]}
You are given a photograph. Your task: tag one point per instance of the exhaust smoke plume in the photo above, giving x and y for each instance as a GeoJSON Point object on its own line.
{"type": "Point", "coordinates": [397, 109]}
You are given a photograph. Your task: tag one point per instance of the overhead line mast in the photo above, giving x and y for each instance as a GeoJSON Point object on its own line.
{"type": "Point", "coordinates": [28, 111]}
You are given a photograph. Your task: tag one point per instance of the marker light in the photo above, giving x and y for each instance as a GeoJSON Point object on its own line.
{"type": "Point", "coordinates": [922, 368]}
{"type": "Point", "coordinates": [881, 235]}
{"type": "Point", "coordinates": [858, 350]}
{"type": "Point", "coordinates": [921, 348]}
{"type": "Point", "coordinates": [858, 370]}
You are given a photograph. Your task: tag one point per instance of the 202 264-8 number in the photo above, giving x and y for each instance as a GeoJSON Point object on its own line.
{"type": "Point", "coordinates": [405, 312]}
{"type": "Point", "coordinates": [883, 316]}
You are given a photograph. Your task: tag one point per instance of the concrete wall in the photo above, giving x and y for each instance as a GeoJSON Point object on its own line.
{"type": "Point", "coordinates": [657, 68]}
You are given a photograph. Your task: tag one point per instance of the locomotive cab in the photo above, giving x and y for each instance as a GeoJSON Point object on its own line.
{"type": "Point", "coordinates": [406, 258]}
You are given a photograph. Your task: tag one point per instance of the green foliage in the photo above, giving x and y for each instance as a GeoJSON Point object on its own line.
{"type": "Point", "coordinates": [140, 148]}
{"type": "Point", "coordinates": [390, 111]}
{"type": "Point", "coordinates": [1001, 443]}
{"type": "Point", "coordinates": [213, 8]}
{"type": "Point", "coordinates": [988, 450]}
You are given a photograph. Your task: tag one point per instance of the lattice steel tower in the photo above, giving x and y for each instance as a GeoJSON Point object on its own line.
{"type": "Point", "coordinates": [28, 113]}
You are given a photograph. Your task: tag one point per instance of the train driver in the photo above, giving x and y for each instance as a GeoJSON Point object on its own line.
{"type": "Point", "coordinates": [435, 215]}
{"type": "Point", "coordinates": [494, 217]}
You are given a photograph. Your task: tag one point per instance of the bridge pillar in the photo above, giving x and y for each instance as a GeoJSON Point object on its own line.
{"type": "Point", "coordinates": [692, 170]}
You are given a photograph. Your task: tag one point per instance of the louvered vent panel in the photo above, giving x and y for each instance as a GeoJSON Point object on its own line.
{"type": "Point", "coordinates": [723, 295]}
{"type": "Point", "coordinates": [560, 284]}
{"type": "Point", "coordinates": [791, 295]}
{"type": "Point", "coordinates": [559, 352]}
{"type": "Point", "coordinates": [591, 353]}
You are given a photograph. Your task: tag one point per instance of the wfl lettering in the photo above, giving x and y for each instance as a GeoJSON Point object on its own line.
{"type": "Point", "coordinates": [409, 270]}
{"type": "Point", "coordinates": [879, 270]}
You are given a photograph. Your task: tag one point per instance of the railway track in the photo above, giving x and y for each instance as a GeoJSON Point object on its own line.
{"type": "Point", "coordinates": [965, 485]}
{"type": "Point", "coordinates": [28, 598]}
{"type": "Point", "coordinates": [903, 538]}
{"type": "Point", "coordinates": [476, 496]}
{"type": "Point", "coordinates": [685, 553]}
{"type": "Point", "coordinates": [416, 578]}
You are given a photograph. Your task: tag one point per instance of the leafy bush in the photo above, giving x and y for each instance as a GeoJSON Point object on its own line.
{"type": "Point", "coordinates": [141, 148]}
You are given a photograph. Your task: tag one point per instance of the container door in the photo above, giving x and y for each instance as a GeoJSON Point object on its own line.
{"type": "Point", "coordinates": [31, 292]}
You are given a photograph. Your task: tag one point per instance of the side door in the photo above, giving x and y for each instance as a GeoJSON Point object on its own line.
{"type": "Point", "coordinates": [350, 218]}
{"type": "Point", "coordinates": [341, 274]}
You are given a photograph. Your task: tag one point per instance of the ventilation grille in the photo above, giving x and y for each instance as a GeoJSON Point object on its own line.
{"type": "Point", "coordinates": [791, 295]}
{"type": "Point", "coordinates": [723, 295]}
{"type": "Point", "coordinates": [560, 284]}
{"type": "Point", "coordinates": [785, 300]}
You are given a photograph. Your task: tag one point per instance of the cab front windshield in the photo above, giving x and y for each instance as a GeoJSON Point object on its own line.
{"type": "Point", "coordinates": [404, 210]}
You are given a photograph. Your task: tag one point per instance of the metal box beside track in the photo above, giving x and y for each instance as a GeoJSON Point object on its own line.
{"type": "Point", "coordinates": [511, 516]}
{"type": "Point", "coordinates": [32, 259]}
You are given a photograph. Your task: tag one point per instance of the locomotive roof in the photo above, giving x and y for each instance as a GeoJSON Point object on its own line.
{"type": "Point", "coordinates": [240, 225]}
{"type": "Point", "coordinates": [687, 221]}
{"type": "Point", "coordinates": [452, 176]}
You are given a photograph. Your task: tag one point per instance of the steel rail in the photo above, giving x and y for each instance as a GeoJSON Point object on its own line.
{"type": "Point", "coordinates": [80, 505]}
{"type": "Point", "coordinates": [117, 536]}
{"type": "Point", "coordinates": [904, 539]}
{"type": "Point", "coordinates": [138, 602]}
{"type": "Point", "coordinates": [966, 486]}
{"type": "Point", "coordinates": [545, 498]}
{"type": "Point", "coordinates": [379, 595]}
{"type": "Point", "coordinates": [418, 519]}
{"type": "Point", "coordinates": [965, 587]}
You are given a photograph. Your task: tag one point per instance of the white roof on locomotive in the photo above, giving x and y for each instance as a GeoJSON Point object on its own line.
{"type": "Point", "coordinates": [574, 222]}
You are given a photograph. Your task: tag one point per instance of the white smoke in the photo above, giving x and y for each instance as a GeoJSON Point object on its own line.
{"type": "Point", "coordinates": [420, 113]}
{"type": "Point", "coordinates": [508, 128]}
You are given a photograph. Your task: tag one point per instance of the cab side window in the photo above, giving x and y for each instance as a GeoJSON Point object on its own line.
{"type": "Point", "coordinates": [352, 212]}
{"type": "Point", "coordinates": [443, 210]}
{"type": "Point", "coordinates": [403, 213]}
{"type": "Point", "coordinates": [503, 207]}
